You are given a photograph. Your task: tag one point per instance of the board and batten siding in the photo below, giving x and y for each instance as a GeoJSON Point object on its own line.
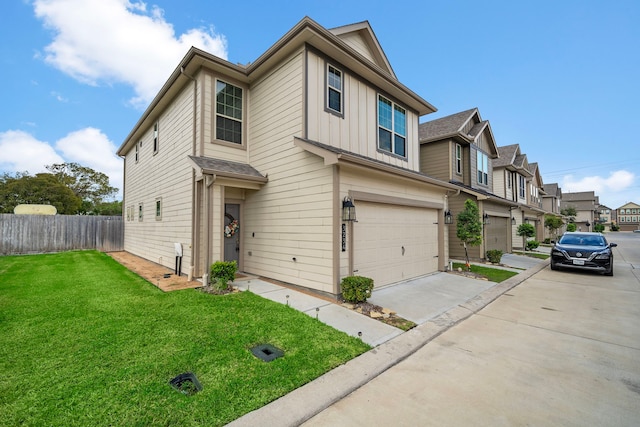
{"type": "Point", "coordinates": [287, 223]}
{"type": "Point", "coordinates": [165, 175]}
{"type": "Point", "coordinates": [436, 160]}
{"type": "Point", "coordinates": [356, 131]}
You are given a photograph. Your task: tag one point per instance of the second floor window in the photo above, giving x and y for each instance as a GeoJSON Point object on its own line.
{"type": "Point", "coordinates": [228, 112]}
{"type": "Point", "coordinates": [156, 141]}
{"type": "Point", "coordinates": [483, 168]}
{"type": "Point", "coordinates": [458, 159]}
{"type": "Point", "coordinates": [522, 183]}
{"type": "Point", "coordinates": [334, 89]}
{"type": "Point", "coordinates": [392, 127]}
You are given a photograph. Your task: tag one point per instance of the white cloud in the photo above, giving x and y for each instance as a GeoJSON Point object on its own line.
{"type": "Point", "coordinates": [21, 152]}
{"type": "Point", "coordinates": [119, 41]}
{"type": "Point", "coordinates": [618, 181]}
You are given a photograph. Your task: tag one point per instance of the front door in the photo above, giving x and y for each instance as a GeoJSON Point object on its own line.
{"type": "Point", "coordinates": [232, 232]}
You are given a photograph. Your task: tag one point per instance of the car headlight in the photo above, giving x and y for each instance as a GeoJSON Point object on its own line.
{"type": "Point", "coordinates": [603, 255]}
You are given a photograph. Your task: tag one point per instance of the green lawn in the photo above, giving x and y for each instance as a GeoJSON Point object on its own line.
{"type": "Point", "coordinates": [493, 274]}
{"type": "Point", "coordinates": [85, 342]}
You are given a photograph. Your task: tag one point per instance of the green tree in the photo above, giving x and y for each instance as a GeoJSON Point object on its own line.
{"type": "Point", "coordinates": [526, 230]}
{"type": "Point", "coordinates": [571, 226]}
{"type": "Point", "coordinates": [90, 186]}
{"type": "Point", "coordinates": [570, 212]}
{"type": "Point", "coordinates": [42, 189]}
{"type": "Point", "coordinates": [553, 223]}
{"type": "Point", "coordinates": [469, 227]}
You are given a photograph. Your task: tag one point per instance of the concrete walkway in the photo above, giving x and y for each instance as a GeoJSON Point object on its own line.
{"type": "Point", "coordinates": [308, 400]}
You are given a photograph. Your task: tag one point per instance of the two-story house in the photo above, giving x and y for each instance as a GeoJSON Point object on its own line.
{"type": "Point", "coordinates": [264, 164]}
{"type": "Point", "coordinates": [551, 197]}
{"type": "Point", "coordinates": [511, 180]}
{"type": "Point", "coordinates": [534, 207]}
{"type": "Point", "coordinates": [628, 216]}
{"type": "Point", "coordinates": [460, 148]}
{"type": "Point", "coordinates": [585, 204]}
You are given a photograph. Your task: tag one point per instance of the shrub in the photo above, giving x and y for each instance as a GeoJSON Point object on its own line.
{"type": "Point", "coordinates": [532, 244]}
{"type": "Point", "coordinates": [356, 289]}
{"type": "Point", "coordinates": [223, 272]}
{"type": "Point", "coordinates": [547, 241]}
{"type": "Point", "coordinates": [571, 226]}
{"type": "Point", "coordinates": [494, 255]}
{"type": "Point", "coordinates": [598, 228]}
{"type": "Point", "coordinates": [614, 227]}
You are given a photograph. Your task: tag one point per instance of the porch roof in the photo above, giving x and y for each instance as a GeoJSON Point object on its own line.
{"type": "Point", "coordinates": [226, 168]}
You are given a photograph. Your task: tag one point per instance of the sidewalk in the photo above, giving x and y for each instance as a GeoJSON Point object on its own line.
{"type": "Point", "coordinates": [308, 400]}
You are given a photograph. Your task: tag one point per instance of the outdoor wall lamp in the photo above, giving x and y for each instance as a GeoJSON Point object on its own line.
{"type": "Point", "coordinates": [348, 210]}
{"type": "Point", "coordinates": [448, 218]}
{"type": "Point", "coordinates": [485, 219]}
{"type": "Point", "coordinates": [513, 220]}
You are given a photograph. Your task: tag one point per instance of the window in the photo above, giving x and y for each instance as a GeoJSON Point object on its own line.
{"type": "Point", "coordinates": [228, 112]}
{"type": "Point", "coordinates": [155, 138]}
{"type": "Point", "coordinates": [392, 127]}
{"type": "Point", "coordinates": [521, 185]}
{"type": "Point", "coordinates": [159, 209]}
{"type": "Point", "coordinates": [509, 178]}
{"type": "Point", "coordinates": [458, 159]}
{"type": "Point", "coordinates": [140, 212]}
{"type": "Point", "coordinates": [334, 89]}
{"type": "Point", "coordinates": [483, 168]}
{"type": "Point", "coordinates": [138, 151]}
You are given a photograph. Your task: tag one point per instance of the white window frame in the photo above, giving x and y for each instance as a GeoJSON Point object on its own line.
{"type": "Point", "coordinates": [332, 87]}
{"type": "Point", "coordinates": [158, 206]}
{"type": "Point", "coordinates": [140, 211]}
{"type": "Point", "coordinates": [482, 164]}
{"type": "Point", "coordinates": [522, 183]}
{"type": "Point", "coordinates": [221, 114]}
{"type": "Point", "coordinates": [395, 129]}
{"type": "Point", "coordinates": [156, 137]}
{"type": "Point", "coordinates": [458, 159]}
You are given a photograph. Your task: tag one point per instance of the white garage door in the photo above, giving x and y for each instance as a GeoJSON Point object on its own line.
{"type": "Point", "coordinates": [394, 243]}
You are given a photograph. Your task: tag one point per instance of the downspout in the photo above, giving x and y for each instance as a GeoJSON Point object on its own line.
{"type": "Point", "coordinates": [195, 241]}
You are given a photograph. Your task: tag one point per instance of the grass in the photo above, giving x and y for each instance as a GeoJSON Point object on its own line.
{"type": "Point", "coordinates": [492, 274]}
{"type": "Point", "coordinates": [83, 341]}
{"type": "Point", "coordinates": [533, 254]}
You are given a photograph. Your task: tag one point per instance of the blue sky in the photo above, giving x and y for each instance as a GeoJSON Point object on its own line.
{"type": "Point", "coordinates": [560, 78]}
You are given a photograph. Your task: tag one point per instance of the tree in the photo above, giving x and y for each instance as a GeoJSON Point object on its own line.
{"type": "Point", "coordinates": [90, 186]}
{"type": "Point", "coordinates": [526, 230]}
{"type": "Point", "coordinates": [41, 189]}
{"type": "Point", "coordinates": [469, 227]}
{"type": "Point", "coordinates": [570, 212]}
{"type": "Point", "coordinates": [553, 223]}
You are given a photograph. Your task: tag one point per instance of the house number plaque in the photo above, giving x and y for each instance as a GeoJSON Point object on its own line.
{"type": "Point", "coordinates": [344, 237]}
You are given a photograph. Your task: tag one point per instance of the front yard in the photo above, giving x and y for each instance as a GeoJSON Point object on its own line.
{"type": "Point", "coordinates": [83, 341]}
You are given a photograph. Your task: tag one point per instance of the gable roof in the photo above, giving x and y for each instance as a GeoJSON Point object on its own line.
{"type": "Point", "coordinates": [454, 125]}
{"type": "Point", "coordinates": [629, 205]}
{"type": "Point", "coordinates": [553, 190]}
{"type": "Point", "coordinates": [509, 157]}
{"type": "Point", "coordinates": [225, 168]}
{"type": "Point", "coordinates": [307, 32]}
{"type": "Point", "coordinates": [360, 37]}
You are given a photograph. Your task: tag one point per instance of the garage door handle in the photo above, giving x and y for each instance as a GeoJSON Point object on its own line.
{"type": "Point", "coordinates": [403, 251]}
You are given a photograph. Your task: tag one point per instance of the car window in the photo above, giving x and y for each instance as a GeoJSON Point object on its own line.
{"type": "Point", "coordinates": [570, 240]}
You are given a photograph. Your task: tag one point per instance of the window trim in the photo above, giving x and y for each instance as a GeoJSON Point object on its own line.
{"type": "Point", "coordinates": [522, 184]}
{"type": "Point", "coordinates": [458, 155]}
{"type": "Point", "coordinates": [482, 166]}
{"type": "Point", "coordinates": [156, 138]}
{"type": "Point", "coordinates": [329, 88]}
{"type": "Point", "coordinates": [215, 114]}
{"type": "Point", "coordinates": [158, 206]}
{"type": "Point", "coordinates": [393, 132]}
{"type": "Point", "coordinates": [140, 212]}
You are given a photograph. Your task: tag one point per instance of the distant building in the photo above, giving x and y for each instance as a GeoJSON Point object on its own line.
{"type": "Point", "coordinates": [585, 204]}
{"type": "Point", "coordinates": [628, 217]}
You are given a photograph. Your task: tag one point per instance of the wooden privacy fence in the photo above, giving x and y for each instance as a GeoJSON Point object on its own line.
{"type": "Point", "coordinates": [29, 234]}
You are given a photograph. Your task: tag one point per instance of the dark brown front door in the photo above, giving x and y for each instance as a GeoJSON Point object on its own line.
{"type": "Point", "coordinates": [232, 232]}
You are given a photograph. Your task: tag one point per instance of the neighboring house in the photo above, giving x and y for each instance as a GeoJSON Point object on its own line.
{"type": "Point", "coordinates": [535, 196]}
{"type": "Point", "coordinates": [551, 197]}
{"type": "Point", "coordinates": [585, 204]}
{"type": "Point", "coordinates": [257, 163]}
{"type": "Point", "coordinates": [461, 148]}
{"type": "Point", "coordinates": [512, 180]}
{"type": "Point", "coordinates": [628, 217]}
{"type": "Point", "coordinates": [604, 216]}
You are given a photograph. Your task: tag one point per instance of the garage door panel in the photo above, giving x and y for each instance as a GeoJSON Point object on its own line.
{"type": "Point", "coordinates": [381, 233]}
{"type": "Point", "coordinates": [497, 232]}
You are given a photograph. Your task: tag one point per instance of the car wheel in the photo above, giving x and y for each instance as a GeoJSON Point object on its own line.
{"type": "Point", "coordinates": [553, 266]}
{"type": "Point", "coordinates": [610, 272]}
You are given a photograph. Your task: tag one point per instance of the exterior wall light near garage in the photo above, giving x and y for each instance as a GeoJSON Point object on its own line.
{"type": "Point", "coordinates": [448, 218]}
{"type": "Point", "coordinates": [348, 210]}
{"type": "Point", "coordinates": [513, 220]}
{"type": "Point", "coordinates": [485, 219]}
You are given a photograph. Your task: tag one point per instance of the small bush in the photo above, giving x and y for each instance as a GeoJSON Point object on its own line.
{"type": "Point", "coordinates": [571, 226]}
{"type": "Point", "coordinates": [532, 244]}
{"type": "Point", "coordinates": [547, 241]}
{"type": "Point", "coordinates": [598, 228]}
{"type": "Point", "coordinates": [494, 255]}
{"type": "Point", "coordinates": [223, 272]}
{"type": "Point", "coordinates": [356, 289]}
{"type": "Point", "coordinates": [614, 227]}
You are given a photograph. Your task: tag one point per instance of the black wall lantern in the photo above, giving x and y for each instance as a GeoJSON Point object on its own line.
{"type": "Point", "coordinates": [513, 220]}
{"type": "Point", "coordinates": [348, 210]}
{"type": "Point", "coordinates": [485, 219]}
{"type": "Point", "coordinates": [448, 218]}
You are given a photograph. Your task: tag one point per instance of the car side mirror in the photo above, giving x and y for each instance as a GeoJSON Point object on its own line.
{"type": "Point", "coordinates": [613, 245]}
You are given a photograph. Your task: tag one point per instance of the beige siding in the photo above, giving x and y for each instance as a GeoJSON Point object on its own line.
{"type": "Point", "coordinates": [355, 41]}
{"type": "Point", "coordinates": [357, 131]}
{"type": "Point", "coordinates": [437, 159]}
{"type": "Point", "coordinates": [165, 175]}
{"type": "Point", "coordinates": [291, 216]}
{"type": "Point", "coordinates": [499, 184]}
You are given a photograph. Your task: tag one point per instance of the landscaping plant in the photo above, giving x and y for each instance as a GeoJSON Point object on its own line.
{"type": "Point", "coordinates": [469, 227]}
{"type": "Point", "coordinates": [356, 289]}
